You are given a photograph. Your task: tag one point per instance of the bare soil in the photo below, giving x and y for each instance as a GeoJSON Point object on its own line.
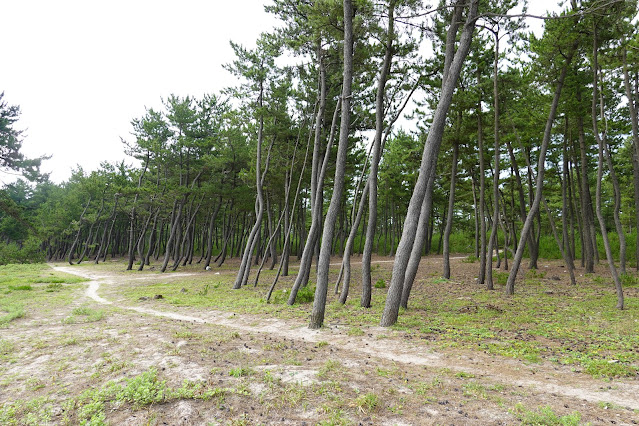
{"type": "Point", "coordinates": [293, 375]}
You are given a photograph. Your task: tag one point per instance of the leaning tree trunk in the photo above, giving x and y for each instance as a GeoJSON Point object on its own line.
{"type": "Point", "coordinates": [316, 215]}
{"type": "Point", "coordinates": [365, 301]}
{"type": "Point", "coordinates": [534, 208]}
{"type": "Point", "coordinates": [245, 266]}
{"type": "Point", "coordinates": [428, 163]}
{"type": "Point", "coordinates": [601, 142]}
{"type": "Point", "coordinates": [88, 240]}
{"type": "Point", "coordinates": [321, 288]}
{"type": "Point", "coordinates": [316, 196]}
{"type": "Point", "coordinates": [173, 233]}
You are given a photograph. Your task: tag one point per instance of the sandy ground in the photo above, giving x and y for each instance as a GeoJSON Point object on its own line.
{"type": "Point", "coordinates": [298, 376]}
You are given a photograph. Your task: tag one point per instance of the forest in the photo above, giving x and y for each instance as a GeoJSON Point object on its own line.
{"type": "Point", "coordinates": [359, 128]}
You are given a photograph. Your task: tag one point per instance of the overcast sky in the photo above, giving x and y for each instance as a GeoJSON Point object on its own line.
{"type": "Point", "coordinates": [81, 70]}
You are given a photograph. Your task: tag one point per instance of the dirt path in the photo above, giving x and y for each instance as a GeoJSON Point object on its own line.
{"type": "Point", "coordinates": [550, 379]}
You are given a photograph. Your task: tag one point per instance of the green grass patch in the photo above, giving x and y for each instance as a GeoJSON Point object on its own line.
{"type": "Point", "coordinates": [91, 406]}
{"type": "Point", "coordinates": [84, 314]}
{"type": "Point", "coordinates": [545, 416]}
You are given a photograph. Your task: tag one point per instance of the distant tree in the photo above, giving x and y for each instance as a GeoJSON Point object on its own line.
{"type": "Point", "coordinates": [11, 159]}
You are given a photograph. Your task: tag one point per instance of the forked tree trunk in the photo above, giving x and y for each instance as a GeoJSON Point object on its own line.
{"type": "Point", "coordinates": [428, 163]}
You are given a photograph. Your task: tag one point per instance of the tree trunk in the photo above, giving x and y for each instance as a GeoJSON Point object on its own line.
{"type": "Point", "coordinates": [451, 210]}
{"type": "Point", "coordinates": [428, 163]}
{"type": "Point", "coordinates": [321, 288]}
{"type": "Point", "coordinates": [534, 208]}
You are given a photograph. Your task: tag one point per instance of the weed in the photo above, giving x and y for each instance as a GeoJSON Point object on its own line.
{"type": "Point", "coordinates": [54, 287]}
{"type": "Point", "coordinates": [321, 344]}
{"type": "Point", "coordinates": [240, 372]}
{"type": "Point", "coordinates": [204, 291]}
{"type": "Point", "coordinates": [355, 331]}
{"type": "Point", "coordinates": [84, 315]}
{"type": "Point", "coordinates": [329, 366]}
{"type": "Point", "coordinates": [545, 416]}
{"type": "Point", "coordinates": [380, 284]}
{"type": "Point", "coordinates": [500, 277]}
{"type": "Point", "coordinates": [470, 259]}
{"type": "Point", "coordinates": [367, 403]}
{"type": "Point", "coordinates": [608, 368]}
{"type": "Point", "coordinates": [25, 287]}
{"type": "Point", "coordinates": [306, 294]}
{"type": "Point", "coordinates": [13, 311]}
{"type": "Point", "coordinates": [464, 375]}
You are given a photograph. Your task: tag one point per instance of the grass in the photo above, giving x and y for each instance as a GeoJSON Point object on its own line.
{"type": "Point", "coordinates": [140, 391]}
{"type": "Point", "coordinates": [581, 328]}
{"type": "Point", "coordinates": [84, 314]}
{"type": "Point", "coordinates": [545, 416]}
{"type": "Point", "coordinates": [26, 286]}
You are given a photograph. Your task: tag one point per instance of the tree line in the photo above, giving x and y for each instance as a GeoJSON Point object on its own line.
{"type": "Point", "coordinates": [515, 145]}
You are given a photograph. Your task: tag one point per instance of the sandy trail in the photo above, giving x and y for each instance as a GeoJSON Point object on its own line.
{"type": "Point", "coordinates": [546, 378]}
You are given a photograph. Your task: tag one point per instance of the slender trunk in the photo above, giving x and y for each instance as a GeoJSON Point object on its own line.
{"type": "Point", "coordinates": [77, 235]}
{"type": "Point", "coordinates": [245, 266]}
{"type": "Point", "coordinates": [534, 208]}
{"type": "Point", "coordinates": [602, 143]}
{"type": "Point", "coordinates": [495, 219]}
{"type": "Point", "coordinates": [482, 192]}
{"type": "Point", "coordinates": [321, 288]}
{"type": "Point", "coordinates": [451, 209]}
{"type": "Point", "coordinates": [428, 163]}
{"type": "Point", "coordinates": [365, 301]}
{"type": "Point", "coordinates": [635, 142]}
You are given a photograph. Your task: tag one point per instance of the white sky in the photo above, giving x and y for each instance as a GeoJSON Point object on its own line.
{"type": "Point", "coordinates": [82, 70]}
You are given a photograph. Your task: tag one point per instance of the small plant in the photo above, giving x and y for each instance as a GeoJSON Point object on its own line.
{"type": "Point", "coordinates": [83, 315]}
{"type": "Point", "coordinates": [367, 403]}
{"type": "Point", "coordinates": [464, 375]}
{"type": "Point", "coordinates": [13, 311]}
{"type": "Point", "coordinates": [53, 287]}
{"type": "Point", "coordinates": [355, 331]}
{"type": "Point", "coordinates": [204, 291]}
{"type": "Point", "coordinates": [380, 284]}
{"type": "Point", "coordinates": [500, 277]}
{"type": "Point", "coordinates": [470, 259]}
{"type": "Point", "coordinates": [240, 372]}
{"type": "Point", "coordinates": [628, 280]}
{"type": "Point", "coordinates": [535, 273]}
{"type": "Point", "coordinates": [25, 287]}
{"type": "Point", "coordinates": [328, 367]}
{"type": "Point", "coordinates": [306, 294]}
{"type": "Point", "coordinates": [321, 344]}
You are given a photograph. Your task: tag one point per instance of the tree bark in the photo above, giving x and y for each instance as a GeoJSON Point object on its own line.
{"type": "Point", "coordinates": [428, 163]}
{"type": "Point", "coordinates": [321, 288]}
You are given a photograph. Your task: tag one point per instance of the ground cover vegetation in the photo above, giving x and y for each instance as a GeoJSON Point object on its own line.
{"type": "Point", "coordinates": [553, 354]}
{"type": "Point", "coordinates": [308, 161]}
